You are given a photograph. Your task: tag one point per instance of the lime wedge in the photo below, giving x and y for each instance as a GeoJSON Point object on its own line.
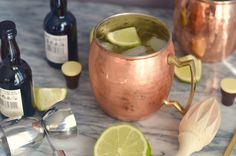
{"type": "Point", "coordinates": [127, 37]}
{"type": "Point", "coordinates": [149, 151]}
{"type": "Point", "coordinates": [184, 74]}
{"type": "Point", "coordinates": [91, 35]}
{"type": "Point", "coordinates": [122, 140]}
{"type": "Point", "coordinates": [47, 97]}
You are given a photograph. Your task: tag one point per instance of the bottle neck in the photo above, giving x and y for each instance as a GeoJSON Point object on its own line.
{"type": "Point", "coordinates": [10, 50]}
{"type": "Point", "coordinates": [59, 7]}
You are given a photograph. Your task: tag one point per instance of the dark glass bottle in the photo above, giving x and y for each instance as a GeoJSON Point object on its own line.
{"type": "Point", "coordinates": [60, 34]}
{"type": "Point", "coordinates": [16, 91]}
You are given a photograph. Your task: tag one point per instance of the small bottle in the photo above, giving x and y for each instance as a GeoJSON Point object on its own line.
{"type": "Point", "coordinates": [60, 34]}
{"type": "Point", "coordinates": [16, 91]}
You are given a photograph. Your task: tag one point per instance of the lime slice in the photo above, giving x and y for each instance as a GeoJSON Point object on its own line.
{"type": "Point", "coordinates": [91, 35]}
{"type": "Point", "coordinates": [47, 97]}
{"type": "Point", "coordinates": [149, 151]}
{"type": "Point", "coordinates": [184, 74]}
{"type": "Point", "coordinates": [122, 140]}
{"type": "Point", "coordinates": [127, 37]}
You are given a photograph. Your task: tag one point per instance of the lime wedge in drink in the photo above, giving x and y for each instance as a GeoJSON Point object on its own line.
{"type": "Point", "coordinates": [122, 140]}
{"type": "Point", "coordinates": [184, 74]}
{"type": "Point", "coordinates": [127, 37]}
{"type": "Point", "coordinates": [47, 97]}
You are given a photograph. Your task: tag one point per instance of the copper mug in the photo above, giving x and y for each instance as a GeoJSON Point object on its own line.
{"type": "Point", "coordinates": [206, 28]}
{"type": "Point", "coordinates": [131, 88]}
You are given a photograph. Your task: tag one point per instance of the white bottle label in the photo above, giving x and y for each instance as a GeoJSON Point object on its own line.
{"type": "Point", "coordinates": [56, 48]}
{"type": "Point", "coordinates": [11, 103]}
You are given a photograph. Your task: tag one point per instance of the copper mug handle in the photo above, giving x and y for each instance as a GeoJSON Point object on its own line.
{"type": "Point", "coordinates": [178, 63]}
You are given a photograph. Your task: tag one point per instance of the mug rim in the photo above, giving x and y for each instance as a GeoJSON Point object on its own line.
{"type": "Point", "coordinates": [162, 50]}
{"type": "Point", "coordinates": [224, 2]}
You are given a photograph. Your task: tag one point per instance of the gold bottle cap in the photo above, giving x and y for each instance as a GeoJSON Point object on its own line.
{"type": "Point", "coordinates": [228, 85]}
{"type": "Point", "coordinates": [71, 68]}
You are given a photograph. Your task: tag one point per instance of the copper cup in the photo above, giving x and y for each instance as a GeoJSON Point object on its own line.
{"type": "Point", "coordinates": [131, 88]}
{"type": "Point", "coordinates": [206, 28]}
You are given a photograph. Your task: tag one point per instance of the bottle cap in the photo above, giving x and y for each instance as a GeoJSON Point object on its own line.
{"type": "Point", "coordinates": [71, 71]}
{"type": "Point", "coordinates": [228, 90]}
{"type": "Point", "coordinates": [7, 28]}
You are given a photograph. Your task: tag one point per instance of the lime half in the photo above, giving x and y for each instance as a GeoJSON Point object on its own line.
{"type": "Point", "coordinates": [184, 73]}
{"type": "Point", "coordinates": [122, 140]}
{"type": "Point", "coordinates": [127, 37]}
{"type": "Point", "coordinates": [47, 97]}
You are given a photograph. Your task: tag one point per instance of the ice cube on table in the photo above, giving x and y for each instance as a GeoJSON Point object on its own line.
{"type": "Point", "coordinates": [156, 43]}
{"type": "Point", "coordinates": [136, 51]}
{"type": "Point", "coordinates": [107, 46]}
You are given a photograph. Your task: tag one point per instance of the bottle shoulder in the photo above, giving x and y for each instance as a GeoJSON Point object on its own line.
{"type": "Point", "coordinates": [25, 66]}
{"type": "Point", "coordinates": [15, 75]}
{"type": "Point", "coordinates": [71, 16]}
{"type": "Point", "coordinates": [59, 25]}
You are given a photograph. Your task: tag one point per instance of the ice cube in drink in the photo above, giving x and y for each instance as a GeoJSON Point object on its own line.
{"type": "Point", "coordinates": [156, 43]}
{"type": "Point", "coordinates": [107, 46]}
{"type": "Point", "coordinates": [136, 51]}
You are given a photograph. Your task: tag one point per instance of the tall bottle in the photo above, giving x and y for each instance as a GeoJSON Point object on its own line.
{"type": "Point", "coordinates": [16, 91]}
{"type": "Point", "coordinates": [60, 34]}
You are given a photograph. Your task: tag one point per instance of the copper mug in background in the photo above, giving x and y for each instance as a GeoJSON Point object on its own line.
{"type": "Point", "coordinates": [206, 28]}
{"type": "Point", "coordinates": [131, 88]}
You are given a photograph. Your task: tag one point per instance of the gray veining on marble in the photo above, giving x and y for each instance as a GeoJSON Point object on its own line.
{"type": "Point", "coordinates": [161, 129]}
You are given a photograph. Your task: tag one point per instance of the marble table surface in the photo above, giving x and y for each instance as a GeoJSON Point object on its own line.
{"type": "Point", "coordinates": [161, 129]}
